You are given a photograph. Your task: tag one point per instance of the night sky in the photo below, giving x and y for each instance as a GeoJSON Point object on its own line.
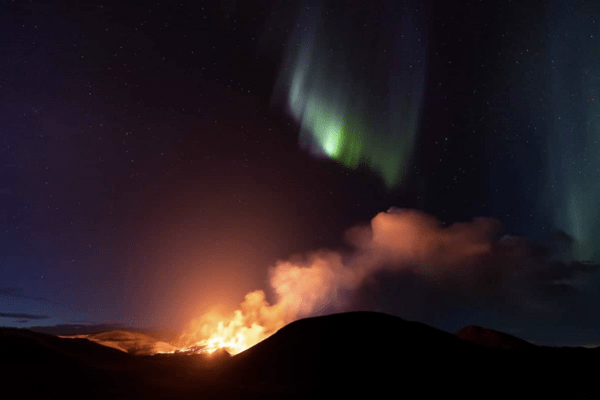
{"type": "Point", "coordinates": [157, 158]}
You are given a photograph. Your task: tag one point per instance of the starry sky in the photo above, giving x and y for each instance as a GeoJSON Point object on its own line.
{"type": "Point", "coordinates": [157, 158]}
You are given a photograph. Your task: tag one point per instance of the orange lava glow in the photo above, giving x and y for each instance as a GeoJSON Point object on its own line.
{"type": "Point", "coordinates": [300, 287]}
{"type": "Point", "coordinates": [253, 322]}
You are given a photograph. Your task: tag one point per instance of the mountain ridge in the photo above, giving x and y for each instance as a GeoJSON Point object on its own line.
{"type": "Point", "coordinates": [347, 353]}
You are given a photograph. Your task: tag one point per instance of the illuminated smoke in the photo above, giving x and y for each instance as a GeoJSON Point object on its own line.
{"type": "Point", "coordinates": [415, 237]}
{"type": "Point", "coordinates": [304, 286]}
{"type": "Point", "coordinates": [253, 322]}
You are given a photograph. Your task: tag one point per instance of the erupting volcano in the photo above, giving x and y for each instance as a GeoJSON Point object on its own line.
{"type": "Point", "coordinates": [193, 199]}
{"type": "Point", "coordinates": [255, 321]}
{"type": "Point", "coordinates": [323, 281]}
{"type": "Point", "coordinates": [301, 287]}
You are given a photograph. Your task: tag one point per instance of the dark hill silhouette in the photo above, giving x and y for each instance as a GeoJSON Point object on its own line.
{"type": "Point", "coordinates": [22, 347]}
{"type": "Point", "coordinates": [38, 365]}
{"type": "Point", "coordinates": [357, 344]}
{"type": "Point", "coordinates": [33, 364]}
{"type": "Point", "coordinates": [377, 353]}
{"type": "Point", "coordinates": [493, 339]}
{"type": "Point", "coordinates": [352, 354]}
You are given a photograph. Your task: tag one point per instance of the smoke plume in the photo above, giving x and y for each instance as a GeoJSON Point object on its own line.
{"type": "Point", "coordinates": [305, 285]}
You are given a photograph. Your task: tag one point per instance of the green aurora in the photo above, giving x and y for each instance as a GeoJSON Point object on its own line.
{"type": "Point", "coordinates": [331, 84]}
{"type": "Point", "coordinates": [574, 128]}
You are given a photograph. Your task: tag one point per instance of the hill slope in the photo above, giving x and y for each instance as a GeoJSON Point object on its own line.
{"type": "Point", "coordinates": [359, 353]}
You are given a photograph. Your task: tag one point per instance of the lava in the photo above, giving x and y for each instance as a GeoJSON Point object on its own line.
{"type": "Point", "coordinates": [253, 322]}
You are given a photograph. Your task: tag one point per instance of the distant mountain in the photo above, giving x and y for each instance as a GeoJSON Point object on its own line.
{"type": "Point", "coordinates": [135, 343]}
{"type": "Point", "coordinates": [359, 354]}
{"type": "Point", "coordinates": [76, 329]}
{"type": "Point", "coordinates": [86, 329]}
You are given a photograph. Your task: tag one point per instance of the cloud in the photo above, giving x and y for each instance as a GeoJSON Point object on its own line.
{"type": "Point", "coordinates": [18, 293]}
{"type": "Point", "coordinates": [15, 292]}
{"type": "Point", "coordinates": [22, 316]}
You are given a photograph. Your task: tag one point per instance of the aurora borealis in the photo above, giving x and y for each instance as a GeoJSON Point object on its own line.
{"type": "Point", "coordinates": [573, 124]}
{"type": "Point", "coordinates": [158, 160]}
{"type": "Point", "coordinates": [326, 84]}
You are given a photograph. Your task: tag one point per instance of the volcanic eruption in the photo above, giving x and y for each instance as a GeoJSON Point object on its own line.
{"type": "Point", "coordinates": [323, 280]}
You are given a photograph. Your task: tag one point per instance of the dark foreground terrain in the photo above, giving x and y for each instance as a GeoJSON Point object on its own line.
{"type": "Point", "coordinates": [351, 354]}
